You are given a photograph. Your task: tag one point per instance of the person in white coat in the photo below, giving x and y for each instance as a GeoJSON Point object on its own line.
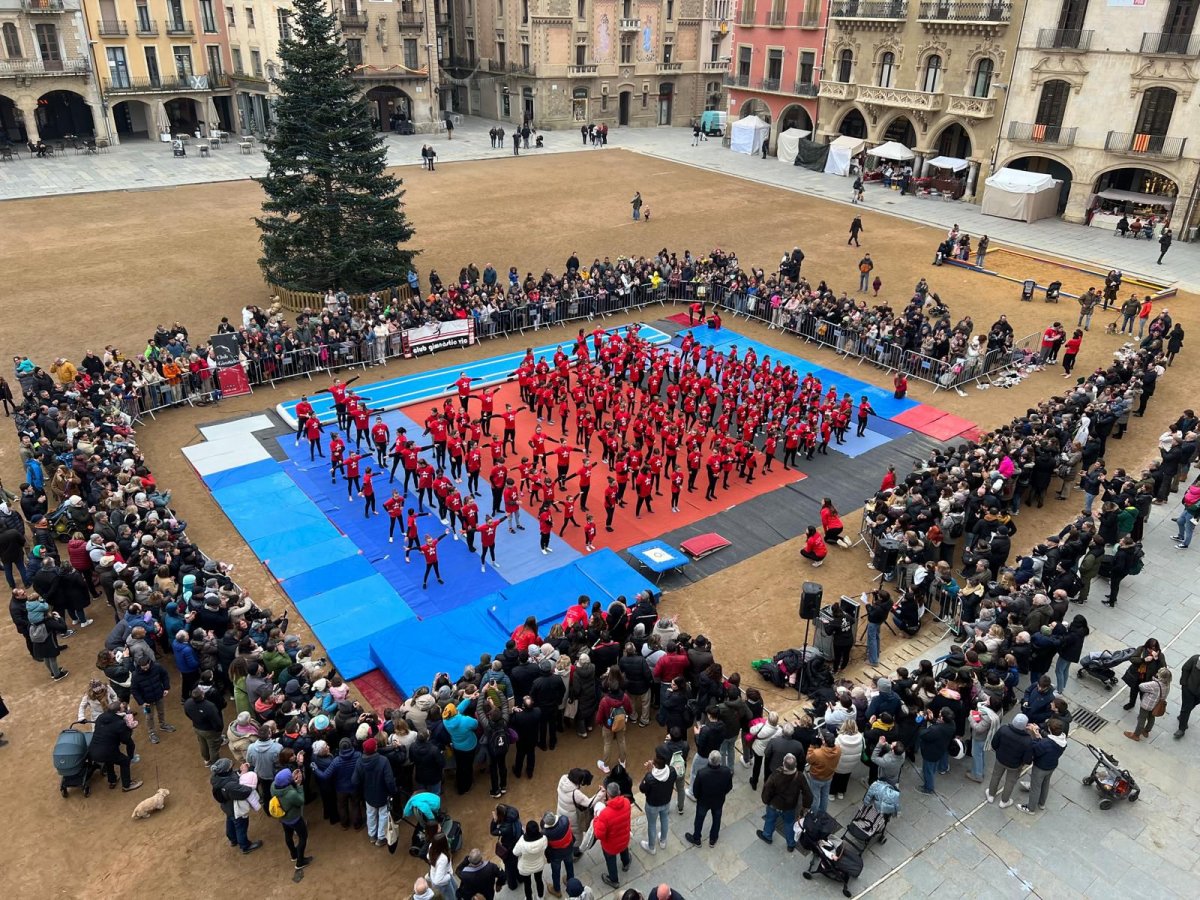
{"type": "Point", "coordinates": [850, 742]}
{"type": "Point", "coordinates": [530, 852]}
{"type": "Point", "coordinates": [762, 733]}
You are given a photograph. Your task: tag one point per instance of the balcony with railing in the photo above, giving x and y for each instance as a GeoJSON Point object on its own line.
{"type": "Point", "coordinates": [442, 20]}
{"type": "Point", "coordinates": [997, 12]}
{"type": "Point", "coordinates": [411, 19]}
{"type": "Point", "coordinates": [1156, 43]}
{"type": "Point", "coordinates": [880, 10]}
{"type": "Point", "coordinates": [670, 67]}
{"type": "Point", "coordinates": [111, 28]}
{"type": "Point", "coordinates": [36, 68]}
{"type": "Point", "coordinates": [767, 84]}
{"type": "Point", "coordinates": [629, 25]}
{"type": "Point", "coordinates": [1064, 39]}
{"type": "Point", "coordinates": [44, 7]}
{"type": "Point", "coordinates": [809, 18]}
{"type": "Point", "coordinates": [584, 71]}
{"type": "Point", "coordinates": [776, 18]}
{"type": "Point", "coordinates": [739, 81]}
{"type": "Point", "coordinates": [146, 27]}
{"type": "Point", "coordinates": [352, 19]}
{"type": "Point", "coordinates": [806, 88]}
{"type": "Point", "coordinates": [180, 26]}
{"type": "Point", "coordinates": [837, 90]}
{"type": "Point", "coordinates": [900, 98]}
{"type": "Point", "coordinates": [716, 65]}
{"type": "Point", "coordinates": [1134, 144]}
{"type": "Point", "coordinates": [175, 83]}
{"type": "Point", "coordinates": [971, 107]}
{"type": "Point", "coordinates": [1032, 133]}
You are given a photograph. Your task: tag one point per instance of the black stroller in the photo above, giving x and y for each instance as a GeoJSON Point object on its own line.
{"type": "Point", "coordinates": [1053, 290]}
{"type": "Point", "coordinates": [814, 828]}
{"type": "Point", "coordinates": [1100, 665]}
{"type": "Point", "coordinates": [1112, 782]}
{"type": "Point", "coordinates": [841, 860]}
{"type": "Point", "coordinates": [71, 761]}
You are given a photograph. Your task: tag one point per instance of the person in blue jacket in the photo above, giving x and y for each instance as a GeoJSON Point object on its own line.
{"type": "Point", "coordinates": [463, 742]}
{"type": "Point", "coordinates": [186, 661]}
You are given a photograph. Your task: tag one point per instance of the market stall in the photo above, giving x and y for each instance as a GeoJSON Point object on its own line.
{"type": "Point", "coordinates": [1024, 196]}
{"type": "Point", "coordinates": [747, 135]}
{"type": "Point", "coordinates": [841, 151]}
{"type": "Point", "coordinates": [788, 144]}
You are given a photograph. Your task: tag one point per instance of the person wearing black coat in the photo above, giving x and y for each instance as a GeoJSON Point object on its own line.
{"type": "Point", "coordinates": [374, 780]}
{"type": "Point", "coordinates": [478, 877]}
{"type": "Point", "coordinates": [1123, 564]}
{"type": "Point", "coordinates": [1013, 745]}
{"type": "Point", "coordinates": [206, 720]}
{"type": "Point", "coordinates": [226, 790]}
{"type": "Point", "coordinates": [710, 787]}
{"type": "Point", "coordinates": [506, 828]}
{"type": "Point", "coordinates": [74, 595]}
{"type": "Point", "coordinates": [779, 747]}
{"type": "Point", "coordinates": [674, 712]}
{"type": "Point", "coordinates": [428, 765]}
{"type": "Point", "coordinates": [20, 618]}
{"type": "Point", "coordinates": [149, 687]}
{"type": "Point", "coordinates": [526, 722]}
{"type": "Point", "coordinates": [638, 680]}
{"type": "Point", "coordinates": [934, 744]}
{"type": "Point", "coordinates": [48, 651]}
{"type": "Point", "coordinates": [548, 693]}
{"type": "Point", "coordinates": [112, 745]}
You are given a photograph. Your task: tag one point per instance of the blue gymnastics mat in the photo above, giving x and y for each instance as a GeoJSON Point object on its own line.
{"type": "Point", "coordinates": [411, 653]}
{"type": "Point", "coordinates": [250, 472]}
{"type": "Point", "coordinates": [408, 389]}
{"type": "Point", "coordinates": [292, 539]}
{"type": "Point", "coordinates": [887, 427]}
{"type": "Point", "coordinates": [326, 577]}
{"type": "Point", "coordinates": [304, 559]}
{"type": "Point", "coordinates": [856, 446]}
{"type": "Point", "coordinates": [601, 575]}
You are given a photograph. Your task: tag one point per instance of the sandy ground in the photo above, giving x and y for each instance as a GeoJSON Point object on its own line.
{"type": "Point", "coordinates": [105, 268]}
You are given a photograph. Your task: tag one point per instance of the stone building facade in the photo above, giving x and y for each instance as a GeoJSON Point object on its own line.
{"type": "Point", "coordinates": [929, 74]}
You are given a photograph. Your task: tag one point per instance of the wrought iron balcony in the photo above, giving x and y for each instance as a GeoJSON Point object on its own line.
{"type": "Point", "coordinates": [352, 19]}
{"type": "Point", "coordinates": [1134, 144]}
{"type": "Point", "coordinates": [767, 84]}
{"type": "Point", "coordinates": [147, 27]}
{"type": "Point", "coordinates": [809, 19]}
{"type": "Point", "coordinates": [740, 81]}
{"type": "Point", "coordinates": [1032, 133]}
{"type": "Point", "coordinates": [1064, 39]}
{"type": "Point", "coordinates": [111, 27]}
{"type": "Point", "coordinates": [806, 88]}
{"type": "Point", "coordinates": [173, 84]}
{"type": "Point", "coordinates": [179, 26]}
{"type": "Point", "coordinates": [777, 18]}
{"type": "Point", "coordinates": [1156, 43]}
{"type": "Point", "coordinates": [868, 9]}
{"type": "Point", "coordinates": [996, 12]}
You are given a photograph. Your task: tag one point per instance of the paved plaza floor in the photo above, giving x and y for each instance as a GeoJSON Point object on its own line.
{"type": "Point", "coordinates": [142, 164]}
{"type": "Point", "coordinates": [954, 844]}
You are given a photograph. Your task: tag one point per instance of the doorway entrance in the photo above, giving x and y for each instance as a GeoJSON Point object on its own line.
{"type": "Point", "coordinates": [666, 93]}
{"type": "Point", "coordinates": [623, 104]}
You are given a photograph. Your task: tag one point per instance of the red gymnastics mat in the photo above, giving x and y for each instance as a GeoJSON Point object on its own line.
{"type": "Point", "coordinates": [627, 530]}
{"type": "Point", "coordinates": [377, 690]}
{"type": "Point", "coordinates": [918, 416]}
{"type": "Point", "coordinates": [933, 422]}
{"type": "Point", "coordinates": [680, 319]}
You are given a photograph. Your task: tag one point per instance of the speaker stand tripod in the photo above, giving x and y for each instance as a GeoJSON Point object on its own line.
{"type": "Point", "coordinates": [802, 675]}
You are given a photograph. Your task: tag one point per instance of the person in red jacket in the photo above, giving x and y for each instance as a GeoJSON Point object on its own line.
{"type": "Point", "coordinates": [814, 547]}
{"type": "Point", "coordinates": [337, 452]}
{"type": "Point", "coordinates": [546, 526]}
{"type": "Point", "coordinates": [381, 435]}
{"type": "Point", "coordinates": [613, 829]}
{"type": "Point", "coordinates": [676, 478]}
{"type": "Point", "coordinates": [312, 430]}
{"type": "Point", "coordinates": [411, 539]}
{"type": "Point", "coordinates": [644, 486]}
{"type": "Point", "coordinates": [487, 540]}
{"type": "Point", "coordinates": [526, 634]}
{"type": "Point", "coordinates": [304, 409]}
{"type": "Point", "coordinates": [429, 550]}
{"type": "Point", "coordinates": [394, 506]}
{"type": "Point", "coordinates": [889, 479]}
{"type": "Point", "coordinates": [368, 494]}
{"type": "Point", "coordinates": [831, 524]}
{"type": "Point", "coordinates": [352, 481]}
{"type": "Point", "coordinates": [589, 533]}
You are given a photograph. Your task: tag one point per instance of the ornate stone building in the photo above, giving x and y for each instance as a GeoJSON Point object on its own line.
{"type": "Point", "coordinates": [929, 74]}
{"type": "Point", "coordinates": [1100, 99]}
{"type": "Point", "coordinates": [562, 63]}
{"type": "Point", "coordinates": [48, 80]}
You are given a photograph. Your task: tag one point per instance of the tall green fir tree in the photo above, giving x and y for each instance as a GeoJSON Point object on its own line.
{"type": "Point", "coordinates": [332, 217]}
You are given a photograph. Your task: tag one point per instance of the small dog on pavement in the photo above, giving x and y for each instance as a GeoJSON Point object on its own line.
{"type": "Point", "coordinates": [151, 804]}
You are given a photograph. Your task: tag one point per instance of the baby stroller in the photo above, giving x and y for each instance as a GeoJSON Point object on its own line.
{"type": "Point", "coordinates": [836, 860]}
{"type": "Point", "coordinates": [814, 828]}
{"type": "Point", "coordinates": [71, 761]}
{"type": "Point", "coordinates": [868, 824]}
{"type": "Point", "coordinates": [1100, 665]}
{"type": "Point", "coordinates": [1053, 289]}
{"type": "Point", "coordinates": [1112, 783]}
{"type": "Point", "coordinates": [423, 830]}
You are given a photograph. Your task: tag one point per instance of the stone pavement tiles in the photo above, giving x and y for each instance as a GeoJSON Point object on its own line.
{"type": "Point", "coordinates": [954, 844]}
{"type": "Point", "coordinates": [142, 164]}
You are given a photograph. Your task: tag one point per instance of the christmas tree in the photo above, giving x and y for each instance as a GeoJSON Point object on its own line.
{"type": "Point", "coordinates": [332, 218]}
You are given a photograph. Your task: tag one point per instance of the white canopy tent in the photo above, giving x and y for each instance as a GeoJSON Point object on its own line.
{"type": "Point", "coordinates": [1024, 196]}
{"type": "Point", "coordinates": [841, 150]}
{"type": "Point", "coordinates": [788, 144]}
{"type": "Point", "coordinates": [953, 163]}
{"type": "Point", "coordinates": [892, 150]}
{"type": "Point", "coordinates": [1136, 197]}
{"type": "Point", "coordinates": [747, 135]}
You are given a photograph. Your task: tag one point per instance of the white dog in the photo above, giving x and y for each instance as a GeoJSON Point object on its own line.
{"type": "Point", "coordinates": [151, 804]}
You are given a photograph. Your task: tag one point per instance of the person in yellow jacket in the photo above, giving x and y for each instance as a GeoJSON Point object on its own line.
{"type": "Point", "coordinates": [65, 370]}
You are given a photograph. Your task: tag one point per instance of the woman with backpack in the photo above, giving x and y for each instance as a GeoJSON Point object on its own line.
{"type": "Point", "coordinates": [613, 716]}
{"type": "Point", "coordinates": [493, 725]}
